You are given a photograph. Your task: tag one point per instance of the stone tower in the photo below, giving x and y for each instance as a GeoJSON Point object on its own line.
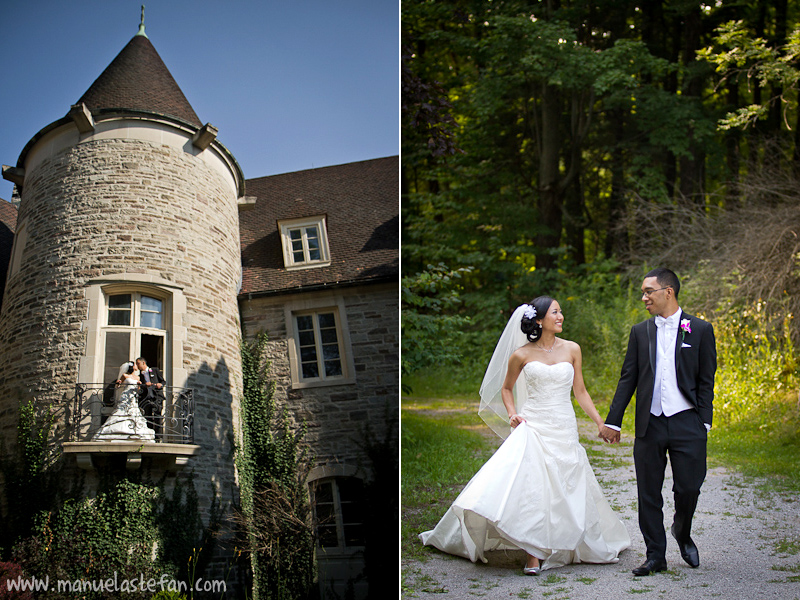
{"type": "Point", "coordinates": [127, 245]}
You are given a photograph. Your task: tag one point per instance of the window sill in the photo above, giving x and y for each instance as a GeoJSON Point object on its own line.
{"type": "Point", "coordinates": [301, 266]}
{"type": "Point", "coordinates": [338, 551]}
{"type": "Point", "coordinates": [300, 385]}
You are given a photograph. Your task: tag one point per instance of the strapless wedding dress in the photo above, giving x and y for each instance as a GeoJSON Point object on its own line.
{"type": "Point", "coordinates": [126, 423]}
{"type": "Point", "coordinates": [537, 493]}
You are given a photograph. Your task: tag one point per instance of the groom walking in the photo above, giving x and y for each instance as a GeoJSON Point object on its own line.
{"type": "Point", "coordinates": [670, 363]}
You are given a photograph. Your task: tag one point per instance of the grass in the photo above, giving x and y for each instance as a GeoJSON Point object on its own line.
{"type": "Point", "coordinates": [768, 451]}
{"type": "Point", "coordinates": [440, 453]}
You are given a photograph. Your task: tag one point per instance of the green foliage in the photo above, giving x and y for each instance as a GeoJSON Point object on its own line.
{"type": "Point", "coordinates": [599, 311]}
{"type": "Point", "coordinates": [438, 456]}
{"type": "Point", "coordinates": [430, 334]}
{"type": "Point", "coordinates": [169, 595]}
{"type": "Point", "coordinates": [757, 367]}
{"type": "Point", "coordinates": [181, 529]}
{"type": "Point", "coordinates": [738, 51]}
{"type": "Point", "coordinates": [129, 528]}
{"type": "Point", "coordinates": [769, 451]}
{"type": "Point", "coordinates": [273, 467]}
{"type": "Point", "coordinates": [30, 474]}
{"type": "Point", "coordinates": [94, 538]}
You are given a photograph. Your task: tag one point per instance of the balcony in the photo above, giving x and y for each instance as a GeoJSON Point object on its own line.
{"type": "Point", "coordinates": [167, 439]}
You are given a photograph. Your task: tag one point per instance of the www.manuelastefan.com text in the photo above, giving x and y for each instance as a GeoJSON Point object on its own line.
{"type": "Point", "coordinates": [114, 584]}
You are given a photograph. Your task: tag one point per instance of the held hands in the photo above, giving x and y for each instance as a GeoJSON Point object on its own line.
{"type": "Point", "coordinates": [608, 435]}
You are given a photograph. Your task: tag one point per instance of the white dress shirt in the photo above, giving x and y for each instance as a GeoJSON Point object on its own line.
{"type": "Point", "coordinates": [667, 397]}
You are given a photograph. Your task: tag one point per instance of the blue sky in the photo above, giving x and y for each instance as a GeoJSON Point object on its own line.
{"type": "Point", "coordinates": [290, 84]}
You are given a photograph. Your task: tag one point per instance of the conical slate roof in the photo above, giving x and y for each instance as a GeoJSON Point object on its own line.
{"type": "Point", "coordinates": [137, 79]}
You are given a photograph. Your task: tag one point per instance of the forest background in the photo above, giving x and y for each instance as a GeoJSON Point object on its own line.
{"type": "Point", "coordinates": [565, 148]}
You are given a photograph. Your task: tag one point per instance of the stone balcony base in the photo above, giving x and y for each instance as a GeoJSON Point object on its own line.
{"type": "Point", "coordinates": [171, 456]}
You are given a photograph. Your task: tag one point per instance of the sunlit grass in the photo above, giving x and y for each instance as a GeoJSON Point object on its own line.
{"type": "Point", "coordinates": [771, 453]}
{"type": "Point", "coordinates": [441, 451]}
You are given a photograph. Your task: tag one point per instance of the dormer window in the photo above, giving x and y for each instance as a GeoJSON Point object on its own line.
{"type": "Point", "coordinates": [305, 243]}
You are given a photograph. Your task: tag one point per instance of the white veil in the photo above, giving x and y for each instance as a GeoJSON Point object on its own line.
{"type": "Point", "coordinates": [492, 410]}
{"type": "Point", "coordinates": [123, 369]}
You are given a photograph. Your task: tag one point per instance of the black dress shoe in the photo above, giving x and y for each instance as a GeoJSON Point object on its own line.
{"type": "Point", "coordinates": [650, 566]}
{"type": "Point", "coordinates": [688, 550]}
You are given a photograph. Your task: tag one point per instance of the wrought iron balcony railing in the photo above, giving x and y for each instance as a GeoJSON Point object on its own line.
{"type": "Point", "coordinates": [105, 412]}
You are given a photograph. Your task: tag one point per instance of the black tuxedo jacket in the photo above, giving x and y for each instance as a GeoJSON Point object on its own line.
{"type": "Point", "coordinates": [695, 363]}
{"type": "Point", "coordinates": [155, 377]}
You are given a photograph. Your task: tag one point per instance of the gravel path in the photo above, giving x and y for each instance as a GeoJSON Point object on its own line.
{"type": "Point", "coordinates": [747, 534]}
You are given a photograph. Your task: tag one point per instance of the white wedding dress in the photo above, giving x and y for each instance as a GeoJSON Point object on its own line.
{"type": "Point", "coordinates": [126, 423]}
{"type": "Point", "coordinates": [538, 492]}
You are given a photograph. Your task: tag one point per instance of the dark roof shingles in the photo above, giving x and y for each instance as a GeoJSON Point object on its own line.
{"type": "Point", "coordinates": [137, 79]}
{"type": "Point", "coordinates": [361, 203]}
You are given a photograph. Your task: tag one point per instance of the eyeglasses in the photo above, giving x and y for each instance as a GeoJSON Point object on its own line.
{"type": "Point", "coordinates": [648, 293]}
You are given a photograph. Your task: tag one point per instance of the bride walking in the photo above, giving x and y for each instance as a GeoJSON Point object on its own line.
{"type": "Point", "coordinates": [537, 493]}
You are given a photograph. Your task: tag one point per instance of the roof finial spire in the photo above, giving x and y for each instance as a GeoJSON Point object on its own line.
{"type": "Point", "coordinates": [141, 25]}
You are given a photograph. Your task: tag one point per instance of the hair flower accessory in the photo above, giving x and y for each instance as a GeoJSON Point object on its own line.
{"type": "Point", "coordinates": [530, 312]}
{"type": "Point", "coordinates": [686, 327]}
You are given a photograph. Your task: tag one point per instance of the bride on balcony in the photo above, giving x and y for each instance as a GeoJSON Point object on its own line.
{"type": "Point", "coordinates": [126, 423]}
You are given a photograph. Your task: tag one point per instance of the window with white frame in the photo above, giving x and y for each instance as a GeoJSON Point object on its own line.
{"type": "Point", "coordinates": [319, 345]}
{"type": "Point", "coordinates": [339, 512]}
{"type": "Point", "coordinates": [305, 243]}
{"type": "Point", "coordinates": [135, 325]}
{"type": "Point", "coordinates": [320, 351]}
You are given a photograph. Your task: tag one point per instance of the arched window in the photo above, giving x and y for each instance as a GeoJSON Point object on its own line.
{"type": "Point", "coordinates": [339, 512]}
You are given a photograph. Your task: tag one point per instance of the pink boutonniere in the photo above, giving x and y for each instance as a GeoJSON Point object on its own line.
{"type": "Point", "coordinates": [686, 327]}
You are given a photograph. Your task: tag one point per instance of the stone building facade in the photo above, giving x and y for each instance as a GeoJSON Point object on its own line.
{"type": "Point", "coordinates": [332, 323]}
{"type": "Point", "coordinates": [137, 234]}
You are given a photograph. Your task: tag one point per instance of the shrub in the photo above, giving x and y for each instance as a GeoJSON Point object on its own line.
{"type": "Point", "coordinates": [10, 571]}
{"type": "Point", "coordinates": [757, 367]}
{"type": "Point", "coordinates": [273, 468]}
{"type": "Point", "coordinates": [169, 595]}
{"type": "Point", "coordinates": [95, 538]}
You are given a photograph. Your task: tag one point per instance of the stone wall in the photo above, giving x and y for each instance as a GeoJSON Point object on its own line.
{"type": "Point", "coordinates": [337, 414]}
{"type": "Point", "coordinates": [139, 211]}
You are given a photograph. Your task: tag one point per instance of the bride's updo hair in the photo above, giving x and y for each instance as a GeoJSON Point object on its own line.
{"type": "Point", "coordinates": [529, 325]}
{"type": "Point", "coordinates": [130, 368]}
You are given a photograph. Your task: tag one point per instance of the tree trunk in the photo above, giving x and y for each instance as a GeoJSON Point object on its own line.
{"type": "Point", "coordinates": [615, 239]}
{"type": "Point", "coordinates": [574, 222]}
{"type": "Point", "coordinates": [692, 167]}
{"type": "Point", "coordinates": [550, 196]}
{"type": "Point", "coordinates": [732, 143]}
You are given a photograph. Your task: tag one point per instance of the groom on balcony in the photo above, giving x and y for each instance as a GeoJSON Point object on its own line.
{"type": "Point", "coordinates": [670, 362]}
{"type": "Point", "coordinates": [151, 395]}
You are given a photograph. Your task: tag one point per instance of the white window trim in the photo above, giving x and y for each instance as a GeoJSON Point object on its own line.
{"type": "Point", "coordinates": [335, 305]}
{"type": "Point", "coordinates": [288, 257]}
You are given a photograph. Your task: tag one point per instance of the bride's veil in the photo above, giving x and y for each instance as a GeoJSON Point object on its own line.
{"type": "Point", "coordinates": [124, 369]}
{"type": "Point", "coordinates": [492, 410]}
